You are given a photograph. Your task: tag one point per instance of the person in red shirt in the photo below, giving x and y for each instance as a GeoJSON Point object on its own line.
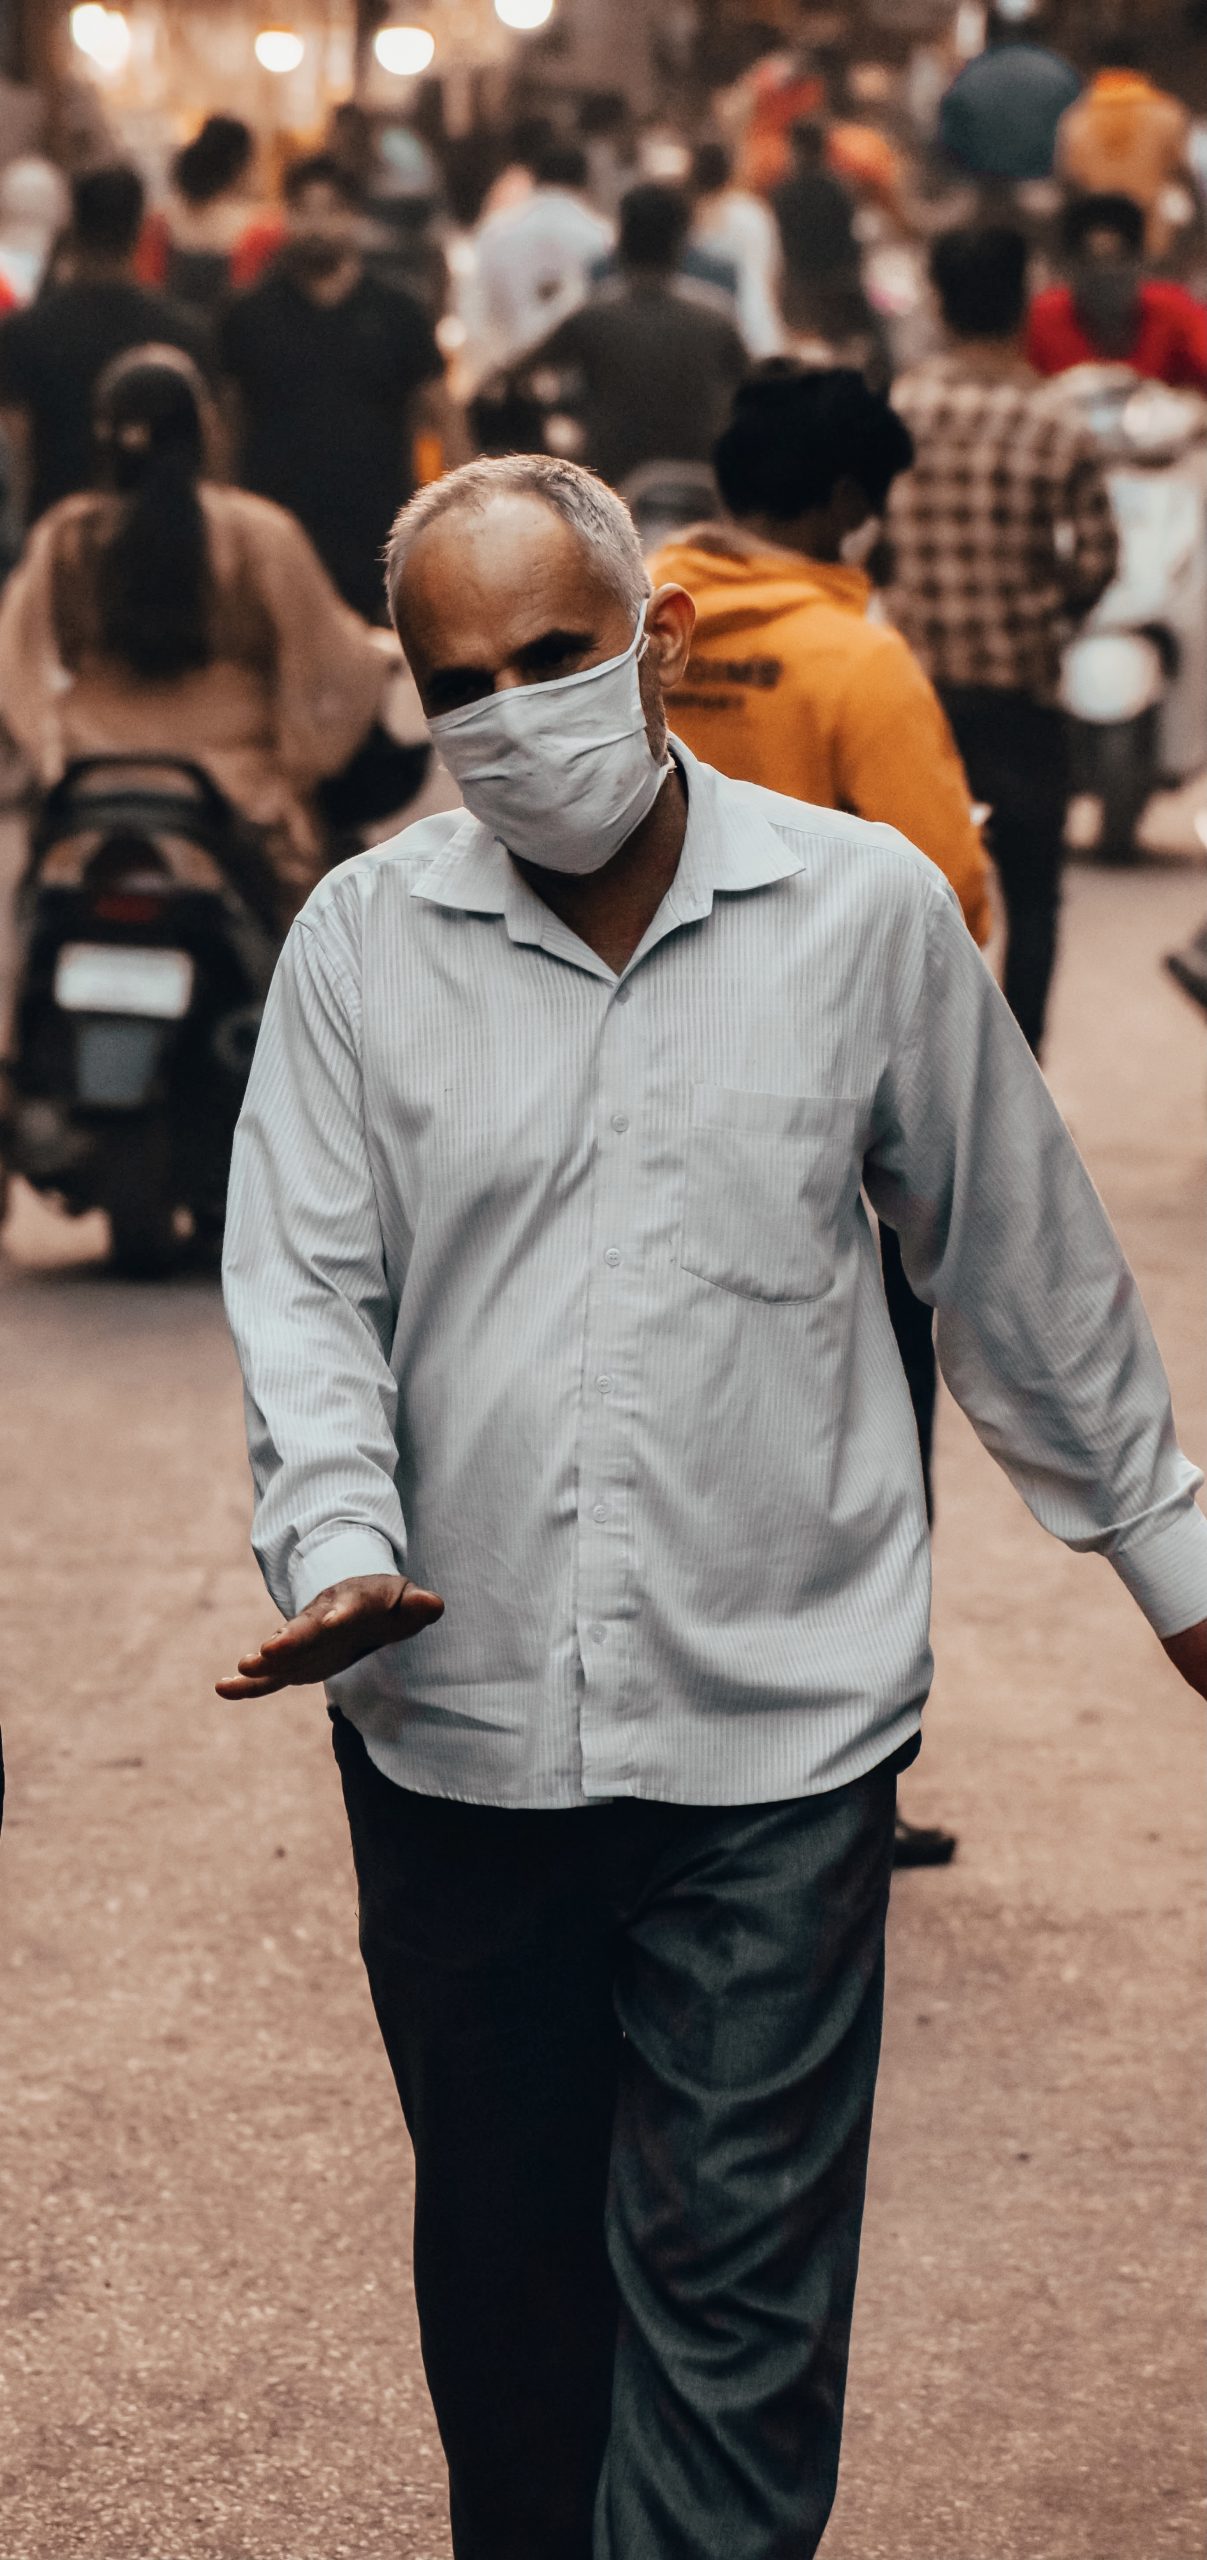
{"type": "Point", "coordinates": [1110, 312]}
{"type": "Point", "coordinates": [209, 238]}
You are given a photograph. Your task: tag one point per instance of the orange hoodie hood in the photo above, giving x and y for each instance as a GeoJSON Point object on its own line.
{"type": "Point", "coordinates": [790, 685]}
{"type": "Point", "coordinates": [739, 583]}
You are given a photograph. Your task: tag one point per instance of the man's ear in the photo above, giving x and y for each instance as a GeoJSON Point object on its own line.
{"type": "Point", "coordinates": [669, 622]}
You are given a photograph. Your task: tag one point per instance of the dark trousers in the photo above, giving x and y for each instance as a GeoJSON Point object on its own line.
{"type": "Point", "coordinates": [636, 2048]}
{"type": "Point", "coordinates": [913, 1324]}
{"type": "Point", "coordinates": [1015, 754]}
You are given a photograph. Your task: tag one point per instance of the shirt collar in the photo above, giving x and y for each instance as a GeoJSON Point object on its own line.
{"type": "Point", "coordinates": [729, 847]}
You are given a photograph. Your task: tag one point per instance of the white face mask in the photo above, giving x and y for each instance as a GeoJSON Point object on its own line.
{"type": "Point", "coordinates": [562, 773]}
{"type": "Point", "coordinates": [856, 548]}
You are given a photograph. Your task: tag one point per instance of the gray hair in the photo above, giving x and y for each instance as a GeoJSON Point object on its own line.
{"type": "Point", "coordinates": [583, 501]}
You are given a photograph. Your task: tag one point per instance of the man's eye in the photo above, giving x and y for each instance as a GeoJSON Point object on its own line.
{"type": "Point", "coordinates": [455, 697]}
{"type": "Point", "coordinates": [538, 663]}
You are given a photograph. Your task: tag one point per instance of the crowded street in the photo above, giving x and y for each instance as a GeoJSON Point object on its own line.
{"type": "Point", "coordinates": [603, 1557]}
{"type": "Point", "coordinates": [216, 2356]}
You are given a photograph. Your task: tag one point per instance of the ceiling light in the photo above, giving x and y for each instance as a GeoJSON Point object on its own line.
{"type": "Point", "coordinates": [278, 49]}
{"type": "Point", "coordinates": [524, 14]}
{"type": "Point", "coordinates": [404, 50]}
{"type": "Point", "coordinates": [102, 34]}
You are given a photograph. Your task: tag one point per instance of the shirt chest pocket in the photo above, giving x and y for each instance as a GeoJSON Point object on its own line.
{"type": "Point", "coordinates": [771, 1182]}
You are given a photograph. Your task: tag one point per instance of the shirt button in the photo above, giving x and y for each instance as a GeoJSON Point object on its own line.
{"type": "Point", "coordinates": [622, 994]}
{"type": "Point", "coordinates": [601, 1512]}
{"type": "Point", "coordinates": [620, 1122]}
{"type": "Point", "coordinates": [611, 1257]}
{"type": "Point", "coordinates": [599, 1635]}
{"type": "Point", "coordinates": [604, 1385]}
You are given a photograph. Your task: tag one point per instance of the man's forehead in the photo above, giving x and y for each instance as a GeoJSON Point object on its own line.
{"type": "Point", "coordinates": [508, 551]}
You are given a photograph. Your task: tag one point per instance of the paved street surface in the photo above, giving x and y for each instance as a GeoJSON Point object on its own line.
{"type": "Point", "coordinates": [204, 2182]}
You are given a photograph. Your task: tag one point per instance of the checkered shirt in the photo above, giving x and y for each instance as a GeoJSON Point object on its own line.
{"type": "Point", "coordinates": [1003, 535]}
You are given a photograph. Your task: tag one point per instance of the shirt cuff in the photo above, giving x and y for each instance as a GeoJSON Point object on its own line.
{"type": "Point", "coordinates": [1165, 1570]}
{"type": "Point", "coordinates": [345, 1552]}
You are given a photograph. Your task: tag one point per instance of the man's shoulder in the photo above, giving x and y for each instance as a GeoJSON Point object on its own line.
{"type": "Point", "coordinates": [702, 309]}
{"type": "Point", "coordinates": [876, 868]}
{"type": "Point", "coordinates": [383, 875]}
{"type": "Point", "coordinates": [395, 303]}
{"type": "Point", "coordinates": [1015, 409]}
{"type": "Point", "coordinates": [171, 322]}
{"type": "Point", "coordinates": [1175, 301]}
{"type": "Point", "coordinates": [853, 645]}
{"type": "Point", "coordinates": [246, 311]}
{"type": "Point", "coordinates": [41, 323]}
{"type": "Point", "coordinates": [1050, 298]}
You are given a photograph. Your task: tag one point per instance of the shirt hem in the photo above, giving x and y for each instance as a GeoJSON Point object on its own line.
{"type": "Point", "coordinates": [901, 1739]}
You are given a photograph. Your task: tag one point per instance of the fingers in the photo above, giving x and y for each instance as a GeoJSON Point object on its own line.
{"type": "Point", "coordinates": [424, 1606]}
{"type": "Point", "coordinates": [336, 1629]}
{"type": "Point", "coordinates": [300, 1631]}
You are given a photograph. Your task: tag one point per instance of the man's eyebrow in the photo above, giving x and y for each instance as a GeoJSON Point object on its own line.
{"type": "Point", "coordinates": [555, 643]}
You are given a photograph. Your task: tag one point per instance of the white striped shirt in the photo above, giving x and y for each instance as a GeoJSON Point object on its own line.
{"type": "Point", "coordinates": [560, 1287]}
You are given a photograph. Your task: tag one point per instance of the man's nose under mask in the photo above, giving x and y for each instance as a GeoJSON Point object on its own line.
{"type": "Point", "coordinates": [563, 772]}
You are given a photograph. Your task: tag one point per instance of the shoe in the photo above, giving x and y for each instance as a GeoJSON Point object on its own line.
{"type": "Point", "coordinates": [915, 1846]}
{"type": "Point", "coordinates": [1188, 969]}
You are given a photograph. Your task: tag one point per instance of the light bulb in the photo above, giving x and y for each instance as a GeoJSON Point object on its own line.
{"type": "Point", "coordinates": [102, 34]}
{"type": "Point", "coordinates": [278, 49]}
{"type": "Point", "coordinates": [404, 50]}
{"type": "Point", "coordinates": [524, 14]}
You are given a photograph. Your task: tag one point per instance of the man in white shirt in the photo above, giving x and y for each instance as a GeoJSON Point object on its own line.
{"type": "Point", "coordinates": [533, 259]}
{"type": "Point", "coordinates": [554, 1291]}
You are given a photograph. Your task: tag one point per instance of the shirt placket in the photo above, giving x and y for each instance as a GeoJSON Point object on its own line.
{"type": "Point", "coordinates": [610, 1390]}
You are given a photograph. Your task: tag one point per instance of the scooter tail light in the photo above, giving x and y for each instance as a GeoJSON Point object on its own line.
{"type": "Point", "coordinates": [127, 880]}
{"type": "Point", "coordinates": [127, 906]}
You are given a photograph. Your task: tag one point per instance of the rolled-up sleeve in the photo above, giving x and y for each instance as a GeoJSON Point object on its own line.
{"type": "Point", "coordinates": [307, 1295]}
{"type": "Point", "coordinates": [1041, 1335]}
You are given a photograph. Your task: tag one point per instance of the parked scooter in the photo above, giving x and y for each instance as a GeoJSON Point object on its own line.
{"type": "Point", "coordinates": [1135, 678]}
{"type": "Point", "coordinates": [148, 926]}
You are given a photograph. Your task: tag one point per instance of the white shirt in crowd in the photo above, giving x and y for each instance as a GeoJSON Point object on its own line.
{"type": "Point", "coordinates": [742, 228]}
{"type": "Point", "coordinates": [559, 1288]}
{"type": "Point", "coordinates": [532, 265]}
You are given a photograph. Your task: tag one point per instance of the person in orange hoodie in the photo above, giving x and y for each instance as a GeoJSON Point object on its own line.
{"type": "Point", "coordinates": [791, 684]}
{"type": "Point", "coordinates": [1124, 136]}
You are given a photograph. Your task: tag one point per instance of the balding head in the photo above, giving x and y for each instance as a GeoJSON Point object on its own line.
{"type": "Point", "coordinates": [583, 503]}
{"type": "Point", "coordinates": [520, 572]}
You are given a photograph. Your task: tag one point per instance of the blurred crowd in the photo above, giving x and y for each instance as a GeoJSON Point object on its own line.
{"type": "Point", "coordinates": [952, 237]}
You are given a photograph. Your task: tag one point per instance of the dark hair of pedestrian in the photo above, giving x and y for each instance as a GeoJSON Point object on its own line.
{"type": "Point", "coordinates": [562, 164]}
{"type": "Point", "coordinates": [808, 139]}
{"type": "Point", "coordinates": [979, 272]}
{"type": "Point", "coordinates": [797, 431]}
{"type": "Point", "coordinates": [654, 223]}
{"type": "Point", "coordinates": [1120, 53]}
{"type": "Point", "coordinates": [602, 111]}
{"type": "Point", "coordinates": [712, 169]}
{"type": "Point", "coordinates": [148, 427]}
{"type": "Point", "coordinates": [531, 138]}
{"type": "Point", "coordinates": [107, 208]}
{"type": "Point", "coordinates": [320, 169]}
{"type": "Point", "coordinates": [1119, 214]}
{"type": "Point", "coordinates": [216, 158]}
